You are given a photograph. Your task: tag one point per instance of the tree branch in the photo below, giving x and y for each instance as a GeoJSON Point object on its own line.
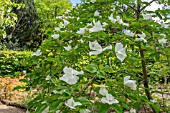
{"type": "Point", "coordinates": [147, 5]}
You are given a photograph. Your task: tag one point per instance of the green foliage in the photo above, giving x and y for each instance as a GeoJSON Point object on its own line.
{"type": "Point", "coordinates": [13, 63]}
{"type": "Point", "coordinates": [7, 17]}
{"type": "Point", "coordinates": [104, 69]}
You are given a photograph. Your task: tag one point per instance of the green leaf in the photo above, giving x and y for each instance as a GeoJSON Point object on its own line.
{"type": "Point", "coordinates": [108, 69]}
{"type": "Point", "coordinates": [117, 108]}
{"type": "Point", "coordinates": [156, 108]}
{"type": "Point", "coordinates": [91, 68]}
{"type": "Point", "coordinates": [40, 108]}
{"type": "Point", "coordinates": [54, 106]}
{"type": "Point", "coordinates": [103, 108]}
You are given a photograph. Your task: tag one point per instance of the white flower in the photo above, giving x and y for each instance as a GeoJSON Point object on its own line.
{"type": "Point", "coordinates": [120, 51]}
{"type": "Point", "coordinates": [109, 99]}
{"type": "Point", "coordinates": [129, 33]}
{"type": "Point", "coordinates": [129, 83]}
{"type": "Point", "coordinates": [104, 24]}
{"type": "Point", "coordinates": [142, 37]}
{"type": "Point", "coordinates": [46, 110]}
{"type": "Point", "coordinates": [97, 27]}
{"type": "Point", "coordinates": [68, 48]}
{"type": "Point", "coordinates": [24, 72]}
{"type": "Point", "coordinates": [67, 11]}
{"type": "Point", "coordinates": [103, 91]}
{"type": "Point", "coordinates": [162, 41]}
{"type": "Point", "coordinates": [48, 77]}
{"type": "Point", "coordinates": [85, 111]}
{"type": "Point", "coordinates": [65, 23]}
{"type": "Point", "coordinates": [96, 13]}
{"type": "Point", "coordinates": [70, 75]}
{"type": "Point", "coordinates": [57, 28]}
{"type": "Point", "coordinates": [96, 48]}
{"type": "Point", "coordinates": [112, 19]}
{"type": "Point", "coordinates": [92, 1]}
{"type": "Point", "coordinates": [71, 103]}
{"type": "Point", "coordinates": [164, 25]}
{"type": "Point", "coordinates": [58, 111]}
{"type": "Point", "coordinates": [81, 31]}
{"type": "Point", "coordinates": [27, 111]}
{"type": "Point", "coordinates": [78, 18]}
{"type": "Point", "coordinates": [154, 101]}
{"type": "Point", "coordinates": [37, 53]}
{"type": "Point", "coordinates": [132, 110]}
{"type": "Point", "coordinates": [55, 36]}
{"type": "Point", "coordinates": [69, 78]}
{"type": "Point", "coordinates": [147, 16]}
{"type": "Point", "coordinates": [68, 70]}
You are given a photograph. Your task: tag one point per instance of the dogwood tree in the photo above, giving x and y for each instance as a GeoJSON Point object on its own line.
{"type": "Point", "coordinates": [92, 54]}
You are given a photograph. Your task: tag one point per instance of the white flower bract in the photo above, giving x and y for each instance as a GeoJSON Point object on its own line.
{"type": "Point", "coordinates": [162, 41]}
{"type": "Point", "coordinates": [68, 48]}
{"type": "Point", "coordinates": [84, 111]}
{"type": "Point", "coordinates": [142, 37]}
{"type": "Point", "coordinates": [55, 36]}
{"type": "Point", "coordinates": [72, 104]}
{"type": "Point", "coordinates": [129, 33]}
{"type": "Point", "coordinates": [96, 13]}
{"type": "Point", "coordinates": [130, 83]}
{"type": "Point", "coordinates": [37, 53]}
{"type": "Point", "coordinates": [81, 31]}
{"type": "Point", "coordinates": [48, 77]}
{"type": "Point", "coordinates": [103, 91]}
{"type": "Point", "coordinates": [120, 51]}
{"type": "Point", "coordinates": [109, 99]}
{"type": "Point", "coordinates": [97, 27]}
{"type": "Point", "coordinates": [96, 48]}
{"type": "Point", "coordinates": [70, 75]}
{"type": "Point", "coordinates": [112, 19]}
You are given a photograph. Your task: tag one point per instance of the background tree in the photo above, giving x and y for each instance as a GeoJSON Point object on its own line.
{"type": "Point", "coordinates": [28, 32]}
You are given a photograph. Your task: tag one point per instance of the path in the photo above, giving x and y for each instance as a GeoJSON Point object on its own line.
{"type": "Point", "coordinates": [10, 109]}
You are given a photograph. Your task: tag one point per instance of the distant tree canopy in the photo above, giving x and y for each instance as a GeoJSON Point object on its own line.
{"type": "Point", "coordinates": [33, 20]}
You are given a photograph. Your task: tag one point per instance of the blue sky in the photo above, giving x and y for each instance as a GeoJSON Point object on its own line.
{"type": "Point", "coordinates": [75, 1]}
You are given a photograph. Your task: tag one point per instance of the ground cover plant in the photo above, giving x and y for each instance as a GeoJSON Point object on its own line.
{"type": "Point", "coordinates": [103, 56]}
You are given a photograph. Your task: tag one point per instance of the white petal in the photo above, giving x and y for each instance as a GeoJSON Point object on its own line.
{"type": "Point", "coordinates": [132, 110]}
{"type": "Point", "coordinates": [129, 33]}
{"type": "Point", "coordinates": [162, 41]}
{"type": "Point", "coordinates": [57, 28]}
{"type": "Point", "coordinates": [121, 57]}
{"type": "Point", "coordinates": [46, 110]}
{"type": "Point", "coordinates": [48, 77]}
{"type": "Point", "coordinates": [131, 84]}
{"type": "Point", "coordinates": [85, 111]}
{"type": "Point", "coordinates": [81, 31]}
{"type": "Point", "coordinates": [118, 46]}
{"type": "Point", "coordinates": [95, 45]}
{"type": "Point", "coordinates": [71, 103]}
{"type": "Point", "coordinates": [103, 91]}
{"type": "Point", "coordinates": [95, 52]}
{"type": "Point", "coordinates": [112, 19]}
{"type": "Point", "coordinates": [96, 13]}
{"type": "Point", "coordinates": [70, 79]}
{"type": "Point", "coordinates": [68, 48]}
{"type": "Point", "coordinates": [108, 47]}
{"type": "Point", "coordinates": [97, 27]}
{"type": "Point", "coordinates": [104, 100]}
{"type": "Point", "coordinates": [55, 36]}
{"type": "Point", "coordinates": [126, 78]}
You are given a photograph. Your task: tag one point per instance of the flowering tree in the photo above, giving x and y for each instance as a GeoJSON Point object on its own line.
{"type": "Point", "coordinates": [93, 60]}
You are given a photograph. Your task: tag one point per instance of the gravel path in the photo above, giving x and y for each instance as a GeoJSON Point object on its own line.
{"type": "Point", "coordinates": [10, 109]}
